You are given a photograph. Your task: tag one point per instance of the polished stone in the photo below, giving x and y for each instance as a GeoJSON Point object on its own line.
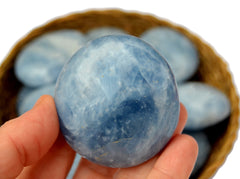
{"type": "Point", "coordinates": [117, 101]}
{"type": "Point", "coordinates": [27, 97]}
{"type": "Point", "coordinates": [103, 31]}
{"type": "Point", "coordinates": [178, 50]}
{"type": "Point", "coordinates": [205, 104]}
{"type": "Point", "coordinates": [23, 92]}
{"type": "Point", "coordinates": [40, 62]}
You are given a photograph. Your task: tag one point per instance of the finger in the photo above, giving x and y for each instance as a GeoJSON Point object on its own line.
{"type": "Point", "coordinates": [141, 171]}
{"type": "Point", "coordinates": [87, 169]}
{"type": "Point", "coordinates": [26, 139]}
{"type": "Point", "coordinates": [182, 120]}
{"type": "Point", "coordinates": [138, 172]}
{"type": "Point", "coordinates": [55, 164]}
{"type": "Point", "coordinates": [177, 160]}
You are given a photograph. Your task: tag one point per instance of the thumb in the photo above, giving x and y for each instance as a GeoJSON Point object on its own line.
{"type": "Point", "coordinates": [24, 140]}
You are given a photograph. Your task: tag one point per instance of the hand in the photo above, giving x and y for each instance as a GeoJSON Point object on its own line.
{"type": "Point", "coordinates": [32, 147]}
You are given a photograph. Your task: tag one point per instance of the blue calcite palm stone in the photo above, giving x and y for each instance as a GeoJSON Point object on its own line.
{"type": "Point", "coordinates": [206, 105]}
{"type": "Point", "coordinates": [104, 31]}
{"type": "Point", "coordinates": [177, 49]}
{"type": "Point", "coordinates": [41, 61]}
{"type": "Point", "coordinates": [117, 101]}
{"type": "Point", "coordinates": [27, 97]}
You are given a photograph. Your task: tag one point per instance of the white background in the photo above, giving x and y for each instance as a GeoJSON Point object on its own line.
{"type": "Point", "coordinates": [217, 22]}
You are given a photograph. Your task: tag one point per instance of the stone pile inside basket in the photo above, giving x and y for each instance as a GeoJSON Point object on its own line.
{"type": "Point", "coordinates": [40, 62]}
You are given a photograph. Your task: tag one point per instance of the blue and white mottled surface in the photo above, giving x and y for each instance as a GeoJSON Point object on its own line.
{"type": "Point", "coordinates": [103, 31]}
{"type": "Point", "coordinates": [178, 50]}
{"type": "Point", "coordinates": [205, 104]}
{"type": "Point", "coordinates": [40, 62]}
{"type": "Point", "coordinates": [204, 149]}
{"type": "Point", "coordinates": [117, 101]}
{"type": "Point", "coordinates": [23, 92]}
{"type": "Point", "coordinates": [27, 97]}
{"type": "Point", "coordinates": [73, 169]}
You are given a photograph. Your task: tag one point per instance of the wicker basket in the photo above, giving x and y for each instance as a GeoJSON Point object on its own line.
{"type": "Point", "coordinates": [213, 70]}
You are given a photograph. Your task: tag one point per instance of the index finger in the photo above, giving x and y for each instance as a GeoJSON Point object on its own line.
{"type": "Point", "coordinates": [26, 139]}
{"type": "Point", "coordinates": [182, 120]}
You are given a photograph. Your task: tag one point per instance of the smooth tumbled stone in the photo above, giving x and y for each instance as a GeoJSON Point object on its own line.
{"type": "Point", "coordinates": [103, 31]}
{"type": "Point", "coordinates": [40, 62]}
{"type": "Point", "coordinates": [204, 149]}
{"type": "Point", "coordinates": [23, 92]}
{"type": "Point", "coordinates": [117, 101]}
{"type": "Point", "coordinates": [73, 169]}
{"type": "Point", "coordinates": [27, 97]}
{"type": "Point", "coordinates": [205, 104]}
{"type": "Point", "coordinates": [178, 50]}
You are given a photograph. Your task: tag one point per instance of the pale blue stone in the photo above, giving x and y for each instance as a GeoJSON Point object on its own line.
{"type": "Point", "coordinates": [205, 104]}
{"type": "Point", "coordinates": [23, 92]}
{"type": "Point", "coordinates": [204, 149]}
{"type": "Point", "coordinates": [74, 167]}
{"type": "Point", "coordinates": [27, 97]}
{"type": "Point", "coordinates": [104, 31]}
{"type": "Point", "coordinates": [40, 62]}
{"type": "Point", "coordinates": [178, 50]}
{"type": "Point", "coordinates": [117, 101]}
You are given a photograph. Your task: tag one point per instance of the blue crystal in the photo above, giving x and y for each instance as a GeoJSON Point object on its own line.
{"type": "Point", "coordinates": [117, 101]}
{"type": "Point", "coordinates": [178, 50]}
{"type": "Point", "coordinates": [40, 62]}
{"type": "Point", "coordinates": [205, 104]}
{"type": "Point", "coordinates": [27, 97]}
{"type": "Point", "coordinates": [23, 92]}
{"type": "Point", "coordinates": [103, 31]}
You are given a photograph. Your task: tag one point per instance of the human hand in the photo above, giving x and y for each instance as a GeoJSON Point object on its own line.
{"type": "Point", "coordinates": [32, 147]}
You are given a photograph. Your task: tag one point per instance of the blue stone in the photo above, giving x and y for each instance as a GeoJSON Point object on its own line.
{"type": "Point", "coordinates": [23, 92]}
{"type": "Point", "coordinates": [206, 105]}
{"type": "Point", "coordinates": [40, 62]}
{"type": "Point", "coordinates": [103, 31]}
{"type": "Point", "coordinates": [178, 50]}
{"type": "Point", "coordinates": [73, 169]}
{"type": "Point", "coordinates": [204, 149]}
{"type": "Point", "coordinates": [117, 101]}
{"type": "Point", "coordinates": [27, 97]}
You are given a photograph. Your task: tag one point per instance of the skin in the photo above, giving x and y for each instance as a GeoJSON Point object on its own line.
{"type": "Point", "coordinates": [33, 147]}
